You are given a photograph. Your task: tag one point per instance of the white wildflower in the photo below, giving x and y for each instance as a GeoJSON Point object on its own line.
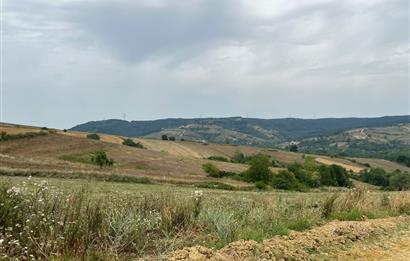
{"type": "Point", "coordinates": [14, 190]}
{"type": "Point", "coordinates": [198, 193]}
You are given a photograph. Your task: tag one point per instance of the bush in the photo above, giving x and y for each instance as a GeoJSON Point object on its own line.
{"type": "Point", "coordinates": [286, 180]}
{"type": "Point", "coordinates": [260, 185]}
{"type": "Point", "coordinates": [93, 136]}
{"type": "Point", "coordinates": [238, 157]}
{"type": "Point", "coordinates": [101, 159]}
{"type": "Point", "coordinates": [171, 138]}
{"type": "Point", "coordinates": [218, 158]}
{"type": "Point", "coordinates": [212, 170]}
{"type": "Point", "coordinates": [131, 143]}
{"type": "Point", "coordinates": [164, 137]}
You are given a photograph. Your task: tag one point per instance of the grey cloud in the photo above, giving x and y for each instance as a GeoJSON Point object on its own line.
{"type": "Point", "coordinates": [86, 60]}
{"type": "Point", "coordinates": [133, 31]}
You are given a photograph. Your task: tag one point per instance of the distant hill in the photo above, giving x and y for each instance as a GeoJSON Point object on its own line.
{"type": "Point", "coordinates": [238, 130]}
{"type": "Point", "coordinates": [383, 142]}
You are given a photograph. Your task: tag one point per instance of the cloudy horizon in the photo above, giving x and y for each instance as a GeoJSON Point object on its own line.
{"type": "Point", "coordinates": [66, 62]}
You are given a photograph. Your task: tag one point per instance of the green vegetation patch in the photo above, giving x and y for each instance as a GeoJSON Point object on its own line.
{"type": "Point", "coordinates": [132, 143]}
{"type": "Point", "coordinates": [93, 136]}
{"type": "Point", "coordinates": [218, 158]}
{"type": "Point", "coordinates": [395, 180]}
{"type": "Point", "coordinates": [85, 157]}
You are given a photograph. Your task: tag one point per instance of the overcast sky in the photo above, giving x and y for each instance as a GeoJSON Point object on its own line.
{"type": "Point", "coordinates": [70, 61]}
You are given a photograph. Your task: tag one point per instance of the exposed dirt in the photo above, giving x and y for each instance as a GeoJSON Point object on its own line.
{"type": "Point", "coordinates": [391, 247]}
{"type": "Point", "coordinates": [297, 245]}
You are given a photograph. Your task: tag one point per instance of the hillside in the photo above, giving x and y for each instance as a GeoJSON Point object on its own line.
{"type": "Point", "coordinates": [238, 130]}
{"type": "Point", "coordinates": [383, 142]}
{"type": "Point", "coordinates": [164, 161]}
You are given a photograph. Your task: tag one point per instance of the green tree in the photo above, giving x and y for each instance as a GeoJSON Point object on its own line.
{"type": "Point", "coordinates": [259, 169]}
{"type": "Point", "coordinates": [164, 137]}
{"type": "Point", "coordinates": [293, 148]}
{"type": "Point", "coordinates": [101, 159]}
{"type": "Point", "coordinates": [400, 180]}
{"type": "Point", "coordinates": [286, 180]}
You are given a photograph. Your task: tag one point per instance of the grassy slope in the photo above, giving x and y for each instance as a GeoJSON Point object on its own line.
{"type": "Point", "coordinates": [177, 162]}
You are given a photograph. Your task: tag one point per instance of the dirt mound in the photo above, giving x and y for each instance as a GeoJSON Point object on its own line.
{"type": "Point", "coordinates": [295, 246]}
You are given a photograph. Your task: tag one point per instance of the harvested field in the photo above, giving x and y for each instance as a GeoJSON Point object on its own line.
{"type": "Point", "coordinates": [326, 161]}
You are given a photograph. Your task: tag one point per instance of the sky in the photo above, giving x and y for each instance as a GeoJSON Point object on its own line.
{"type": "Point", "coordinates": [65, 62]}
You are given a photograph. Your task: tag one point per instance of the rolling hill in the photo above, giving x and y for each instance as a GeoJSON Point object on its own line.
{"type": "Point", "coordinates": [66, 153]}
{"type": "Point", "coordinates": [238, 130]}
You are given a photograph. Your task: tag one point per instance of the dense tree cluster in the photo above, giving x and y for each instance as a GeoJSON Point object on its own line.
{"type": "Point", "coordinates": [395, 180]}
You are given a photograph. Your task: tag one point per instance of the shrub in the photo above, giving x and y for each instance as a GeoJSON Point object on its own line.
{"type": "Point", "coordinates": [260, 185]}
{"type": "Point", "coordinates": [212, 170]}
{"type": "Point", "coordinates": [131, 143]}
{"type": "Point", "coordinates": [164, 137]}
{"type": "Point", "coordinates": [93, 136]}
{"type": "Point", "coordinates": [171, 138]}
{"type": "Point", "coordinates": [238, 157]}
{"type": "Point", "coordinates": [218, 158]}
{"type": "Point", "coordinates": [276, 164]}
{"type": "Point", "coordinates": [65, 130]}
{"type": "Point", "coordinates": [101, 159]}
{"type": "Point", "coordinates": [286, 180]}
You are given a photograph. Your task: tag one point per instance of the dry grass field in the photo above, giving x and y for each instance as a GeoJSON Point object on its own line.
{"type": "Point", "coordinates": [165, 161]}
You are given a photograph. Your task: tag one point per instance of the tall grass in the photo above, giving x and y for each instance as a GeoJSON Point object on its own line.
{"type": "Point", "coordinates": [38, 221]}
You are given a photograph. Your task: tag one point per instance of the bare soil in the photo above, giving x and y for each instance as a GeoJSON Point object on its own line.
{"type": "Point", "coordinates": [304, 245]}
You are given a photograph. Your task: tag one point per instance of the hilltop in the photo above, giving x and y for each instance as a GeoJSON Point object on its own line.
{"type": "Point", "coordinates": [238, 130]}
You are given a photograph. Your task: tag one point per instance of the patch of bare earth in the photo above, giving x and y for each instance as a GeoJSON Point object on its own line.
{"type": "Point", "coordinates": [297, 245]}
{"type": "Point", "coordinates": [390, 247]}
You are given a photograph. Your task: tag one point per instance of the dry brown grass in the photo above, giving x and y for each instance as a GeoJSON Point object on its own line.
{"type": "Point", "coordinates": [44, 153]}
{"type": "Point", "coordinates": [12, 129]}
{"type": "Point", "coordinates": [328, 161]}
{"type": "Point", "coordinates": [381, 163]}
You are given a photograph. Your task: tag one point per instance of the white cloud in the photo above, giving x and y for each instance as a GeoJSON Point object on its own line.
{"type": "Point", "coordinates": [86, 60]}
